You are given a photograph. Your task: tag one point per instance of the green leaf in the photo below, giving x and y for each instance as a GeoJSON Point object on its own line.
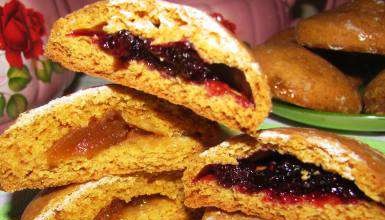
{"type": "Point", "coordinates": [2, 104]}
{"type": "Point", "coordinates": [43, 70]}
{"type": "Point", "coordinates": [57, 68]}
{"type": "Point", "coordinates": [15, 72]}
{"type": "Point", "coordinates": [17, 104]}
{"type": "Point", "coordinates": [17, 84]}
{"type": "Point", "coordinates": [48, 66]}
{"type": "Point", "coordinates": [18, 78]}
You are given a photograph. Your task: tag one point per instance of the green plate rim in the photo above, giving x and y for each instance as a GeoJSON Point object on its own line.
{"type": "Point", "coordinates": [329, 120]}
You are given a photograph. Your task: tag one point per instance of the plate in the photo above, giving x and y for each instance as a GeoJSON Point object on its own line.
{"type": "Point", "coordinates": [330, 120]}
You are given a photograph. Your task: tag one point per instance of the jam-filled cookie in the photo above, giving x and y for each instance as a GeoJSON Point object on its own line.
{"type": "Point", "coordinates": [96, 132]}
{"type": "Point", "coordinates": [172, 51]}
{"type": "Point", "coordinates": [290, 173]}
{"type": "Point", "coordinates": [374, 96]}
{"type": "Point", "coordinates": [356, 26]}
{"type": "Point", "coordinates": [111, 198]}
{"type": "Point", "coordinates": [301, 77]}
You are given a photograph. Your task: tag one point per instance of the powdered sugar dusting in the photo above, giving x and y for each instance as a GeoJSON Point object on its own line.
{"type": "Point", "coordinates": [225, 144]}
{"type": "Point", "coordinates": [208, 153]}
{"type": "Point", "coordinates": [334, 148]}
{"type": "Point", "coordinates": [362, 36]}
{"type": "Point", "coordinates": [256, 67]}
{"type": "Point", "coordinates": [127, 14]}
{"type": "Point", "coordinates": [226, 42]}
{"type": "Point", "coordinates": [350, 26]}
{"type": "Point", "coordinates": [332, 47]}
{"type": "Point", "coordinates": [273, 135]}
{"type": "Point", "coordinates": [187, 14]}
{"type": "Point", "coordinates": [341, 99]}
{"type": "Point", "coordinates": [212, 151]}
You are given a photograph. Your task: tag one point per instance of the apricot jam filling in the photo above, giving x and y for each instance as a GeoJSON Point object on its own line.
{"type": "Point", "coordinates": [174, 59]}
{"type": "Point", "coordinates": [112, 211]}
{"type": "Point", "coordinates": [117, 208]}
{"type": "Point", "coordinates": [284, 179]}
{"type": "Point", "coordinates": [88, 141]}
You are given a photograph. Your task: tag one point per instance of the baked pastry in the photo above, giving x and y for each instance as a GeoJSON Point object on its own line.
{"type": "Point", "coordinates": [112, 197]}
{"type": "Point", "coordinates": [172, 51]}
{"type": "Point", "coordinates": [106, 130]}
{"type": "Point", "coordinates": [290, 173]}
{"type": "Point", "coordinates": [301, 77]}
{"type": "Point", "coordinates": [355, 26]}
{"type": "Point", "coordinates": [374, 96]}
{"type": "Point", "coordinates": [216, 214]}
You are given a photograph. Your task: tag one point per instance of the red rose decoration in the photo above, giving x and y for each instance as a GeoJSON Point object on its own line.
{"type": "Point", "coordinates": [21, 30]}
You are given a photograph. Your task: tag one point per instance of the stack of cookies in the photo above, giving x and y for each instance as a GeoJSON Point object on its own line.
{"type": "Point", "coordinates": [333, 61]}
{"type": "Point", "coordinates": [152, 148]}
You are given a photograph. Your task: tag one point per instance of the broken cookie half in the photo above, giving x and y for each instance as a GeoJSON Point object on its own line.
{"type": "Point", "coordinates": [108, 130]}
{"type": "Point", "coordinates": [289, 173]}
{"type": "Point", "coordinates": [127, 197]}
{"type": "Point", "coordinates": [172, 51]}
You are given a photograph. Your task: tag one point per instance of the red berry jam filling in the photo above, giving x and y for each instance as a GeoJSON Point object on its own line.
{"type": "Point", "coordinates": [175, 59]}
{"type": "Point", "coordinates": [283, 178]}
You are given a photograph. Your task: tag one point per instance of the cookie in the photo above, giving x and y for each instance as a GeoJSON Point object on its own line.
{"type": "Point", "coordinates": [301, 77]}
{"type": "Point", "coordinates": [356, 26]}
{"type": "Point", "coordinates": [100, 131]}
{"type": "Point", "coordinates": [172, 51]}
{"type": "Point", "coordinates": [289, 173]}
{"type": "Point", "coordinates": [112, 197]}
{"type": "Point", "coordinates": [374, 96]}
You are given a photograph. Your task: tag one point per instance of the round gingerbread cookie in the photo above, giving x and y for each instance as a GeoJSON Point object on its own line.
{"type": "Point", "coordinates": [301, 77]}
{"type": "Point", "coordinates": [356, 26]}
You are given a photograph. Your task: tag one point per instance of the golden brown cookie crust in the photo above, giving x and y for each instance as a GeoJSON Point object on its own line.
{"type": "Point", "coordinates": [216, 214]}
{"type": "Point", "coordinates": [374, 96]}
{"type": "Point", "coordinates": [84, 201]}
{"type": "Point", "coordinates": [298, 76]}
{"type": "Point", "coordinates": [176, 134]}
{"type": "Point", "coordinates": [349, 158]}
{"type": "Point", "coordinates": [156, 207]}
{"type": "Point", "coordinates": [173, 23]}
{"type": "Point", "coordinates": [356, 26]}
